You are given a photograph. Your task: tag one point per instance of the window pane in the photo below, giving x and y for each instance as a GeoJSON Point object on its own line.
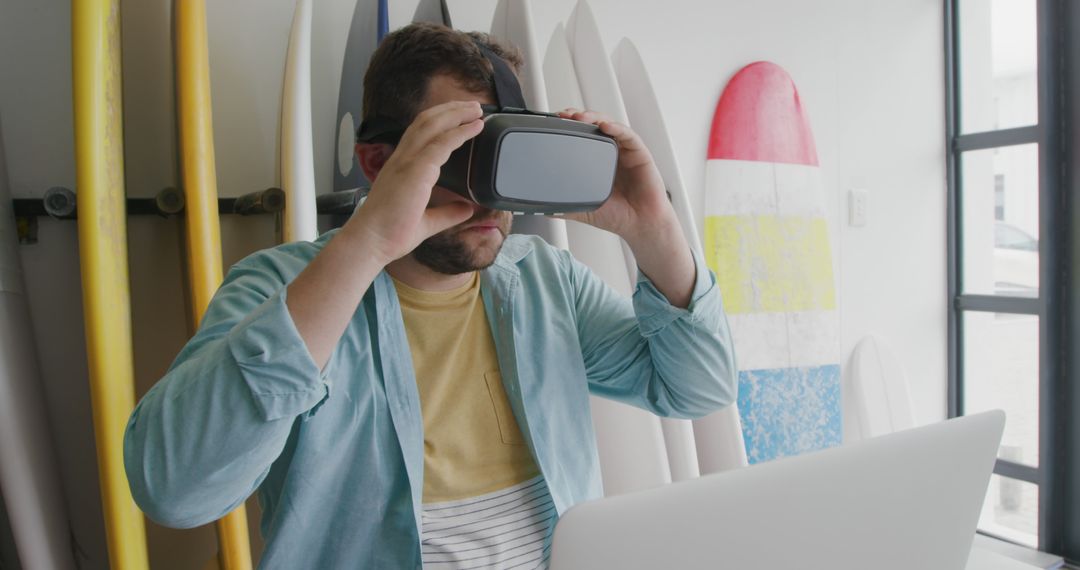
{"type": "Point", "coordinates": [1000, 204]}
{"type": "Point", "coordinates": [1011, 510]}
{"type": "Point", "coordinates": [1001, 370]}
{"type": "Point", "coordinates": [998, 63]}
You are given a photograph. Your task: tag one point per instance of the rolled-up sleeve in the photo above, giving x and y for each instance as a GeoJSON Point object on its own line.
{"type": "Point", "coordinates": [654, 312]}
{"type": "Point", "coordinates": [204, 437]}
{"type": "Point", "coordinates": [648, 353]}
{"type": "Point", "coordinates": [275, 363]}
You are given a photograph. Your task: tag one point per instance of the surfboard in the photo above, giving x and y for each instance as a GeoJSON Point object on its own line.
{"type": "Point", "coordinates": [383, 15]}
{"type": "Point", "coordinates": [714, 443]}
{"type": "Point", "coordinates": [299, 222]}
{"type": "Point", "coordinates": [470, 15]}
{"type": "Point", "coordinates": [589, 245]}
{"type": "Point", "coordinates": [434, 11]}
{"type": "Point", "coordinates": [599, 90]}
{"type": "Point", "coordinates": [29, 473]}
{"type": "Point", "coordinates": [767, 239]}
{"type": "Point", "coordinates": [629, 441]}
{"type": "Point", "coordinates": [99, 175]}
{"type": "Point", "coordinates": [203, 232]}
{"type": "Point", "coordinates": [362, 40]}
{"type": "Point", "coordinates": [876, 391]}
{"type": "Point", "coordinates": [513, 22]}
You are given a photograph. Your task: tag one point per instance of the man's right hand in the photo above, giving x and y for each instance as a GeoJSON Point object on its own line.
{"type": "Point", "coordinates": [392, 222]}
{"type": "Point", "coordinates": [396, 218]}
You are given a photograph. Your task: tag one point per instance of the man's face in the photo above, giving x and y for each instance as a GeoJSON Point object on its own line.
{"type": "Point", "coordinates": [475, 243]}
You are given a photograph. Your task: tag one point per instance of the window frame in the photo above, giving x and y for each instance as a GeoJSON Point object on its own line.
{"type": "Point", "coordinates": [1058, 303]}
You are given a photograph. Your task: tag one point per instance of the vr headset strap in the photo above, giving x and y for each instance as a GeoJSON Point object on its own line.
{"type": "Point", "coordinates": [507, 89]}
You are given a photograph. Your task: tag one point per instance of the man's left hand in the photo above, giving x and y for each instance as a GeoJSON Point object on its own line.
{"type": "Point", "coordinates": [640, 212]}
{"type": "Point", "coordinates": [639, 204]}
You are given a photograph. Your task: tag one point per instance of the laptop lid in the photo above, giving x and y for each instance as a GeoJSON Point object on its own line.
{"type": "Point", "coordinates": [897, 502]}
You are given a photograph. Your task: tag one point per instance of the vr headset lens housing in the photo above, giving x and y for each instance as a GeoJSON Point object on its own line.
{"type": "Point", "coordinates": [548, 171]}
{"type": "Point", "coordinates": [522, 161]}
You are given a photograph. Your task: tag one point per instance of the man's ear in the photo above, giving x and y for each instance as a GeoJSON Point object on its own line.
{"type": "Point", "coordinates": [372, 157]}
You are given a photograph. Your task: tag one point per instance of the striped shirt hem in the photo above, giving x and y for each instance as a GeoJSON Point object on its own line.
{"type": "Point", "coordinates": [506, 529]}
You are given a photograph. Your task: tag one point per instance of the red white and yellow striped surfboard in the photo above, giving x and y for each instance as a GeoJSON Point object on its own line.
{"type": "Point", "coordinates": [767, 238]}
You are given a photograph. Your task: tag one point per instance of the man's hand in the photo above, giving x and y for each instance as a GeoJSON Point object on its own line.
{"type": "Point", "coordinates": [396, 217]}
{"type": "Point", "coordinates": [640, 212]}
{"type": "Point", "coordinates": [639, 203]}
{"type": "Point", "coordinates": [391, 223]}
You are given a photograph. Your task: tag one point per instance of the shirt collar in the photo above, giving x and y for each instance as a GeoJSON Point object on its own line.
{"type": "Point", "coordinates": [514, 249]}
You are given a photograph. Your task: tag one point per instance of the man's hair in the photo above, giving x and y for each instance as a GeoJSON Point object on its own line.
{"type": "Point", "coordinates": [397, 78]}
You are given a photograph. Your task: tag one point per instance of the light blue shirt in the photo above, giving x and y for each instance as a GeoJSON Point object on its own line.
{"type": "Point", "coordinates": [337, 455]}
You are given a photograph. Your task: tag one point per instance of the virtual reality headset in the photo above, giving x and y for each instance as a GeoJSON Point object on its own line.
{"type": "Point", "coordinates": [522, 161]}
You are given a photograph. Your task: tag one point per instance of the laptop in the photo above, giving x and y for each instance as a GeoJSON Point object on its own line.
{"type": "Point", "coordinates": [905, 501]}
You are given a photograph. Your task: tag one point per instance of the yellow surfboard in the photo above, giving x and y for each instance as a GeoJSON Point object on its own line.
{"type": "Point", "coordinates": [203, 230]}
{"type": "Point", "coordinates": [99, 165]}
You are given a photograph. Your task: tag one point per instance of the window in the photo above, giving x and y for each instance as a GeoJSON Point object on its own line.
{"type": "Point", "coordinates": [1012, 191]}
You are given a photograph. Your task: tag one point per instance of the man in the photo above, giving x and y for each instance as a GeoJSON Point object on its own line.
{"type": "Point", "coordinates": [413, 388]}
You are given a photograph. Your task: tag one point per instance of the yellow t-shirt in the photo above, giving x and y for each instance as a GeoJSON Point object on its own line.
{"type": "Point", "coordinates": [472, 442]}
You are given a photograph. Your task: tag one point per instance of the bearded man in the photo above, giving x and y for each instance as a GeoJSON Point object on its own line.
{"type": "Point", "coordinates": [412, 389]}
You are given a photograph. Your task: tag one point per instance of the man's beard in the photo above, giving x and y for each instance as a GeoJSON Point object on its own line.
{"type": "Point", "coordinates": [447, 253]}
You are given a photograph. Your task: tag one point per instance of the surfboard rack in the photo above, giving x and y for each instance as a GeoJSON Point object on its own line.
{"type": "Point", "coordinates": [269, 201]}
{"type": "Point", "coordinates": [59, 203]}
{"type": "Point", "coordinates": [341, 203]}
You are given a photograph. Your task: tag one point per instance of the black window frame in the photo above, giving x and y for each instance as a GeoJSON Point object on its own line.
{"type": "Point", "coordinates": [1058, 302]}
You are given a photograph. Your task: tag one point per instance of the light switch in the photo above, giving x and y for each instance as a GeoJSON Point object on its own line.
{"type": "Point", "coordinates": [857, 207]}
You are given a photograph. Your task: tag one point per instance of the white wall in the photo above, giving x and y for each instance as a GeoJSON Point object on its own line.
{"type": "Point", "coordinates": [870, 73]}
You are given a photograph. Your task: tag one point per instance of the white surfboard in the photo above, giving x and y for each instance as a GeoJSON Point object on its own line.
{"type": "Point", "coordinates": [599, 88]}
{"type": "Point", "coordinates": [630, 441]}
{"type": "Point", "coordinates": [433, 11]}
{"type": "Point", "coordinates": [767, 239]}
{"type": "Point", "coordinates": [513, 22]}
{"type": "Point", "coordinates": [876, 394]}
{"type": "Point", "coordinates": [589, 245]}
{"type": "Point", "coordinates": [471, 15]}
{"type": "Point", "coordinates": [29, 472]}
{"type": "Point", "coordinates": [643, 110]}
{"type": "Point", "coordinates": [714, 443]}
{"type": "Point", "coordinates": [297, 167]}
